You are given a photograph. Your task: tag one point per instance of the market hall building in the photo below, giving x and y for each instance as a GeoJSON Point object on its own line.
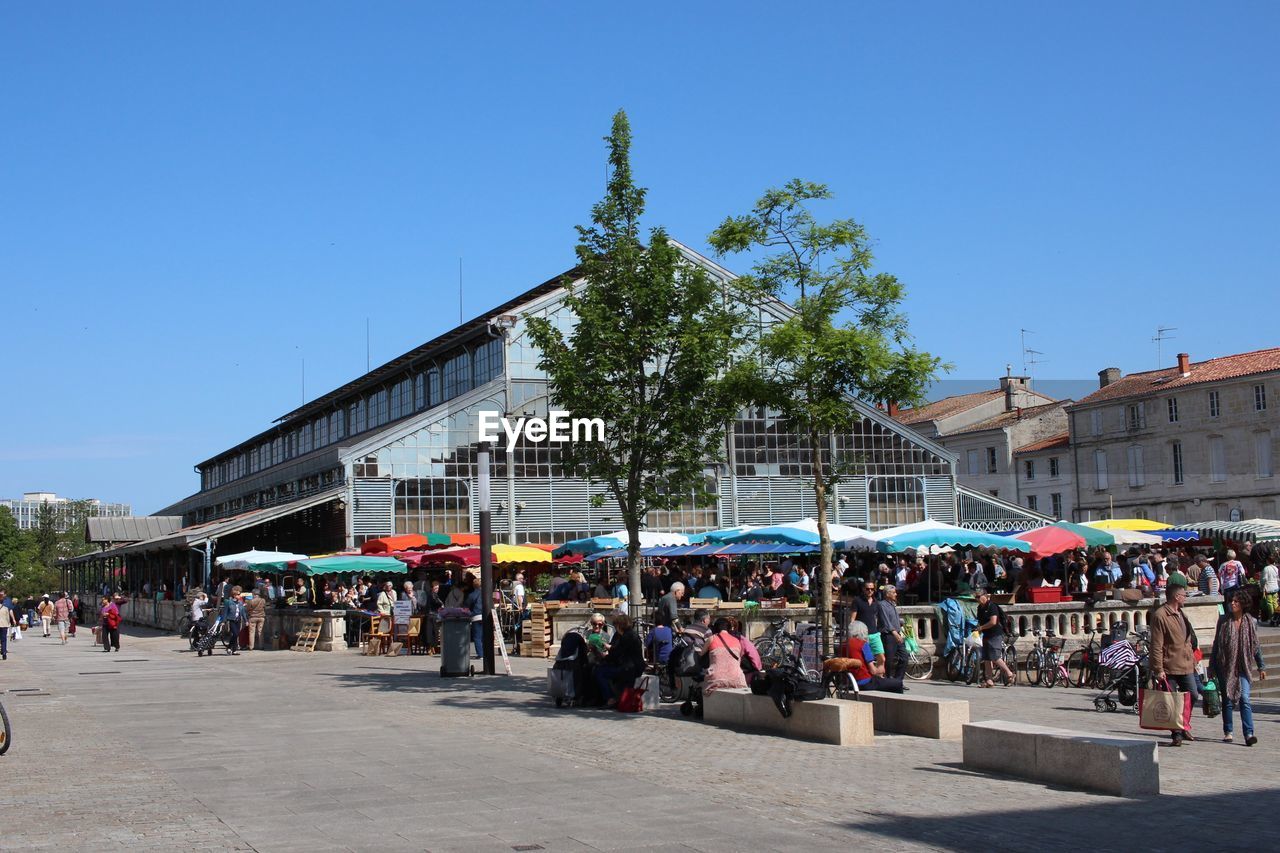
{"type": "Point", "coordinates": [394, 452]}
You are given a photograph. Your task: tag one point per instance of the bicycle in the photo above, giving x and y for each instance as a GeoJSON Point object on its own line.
{"type": "Point", "coordinates": [1043, 663]}
{"type": "Point", "coordinates": [919, 662]}
{"type": "Point", "coordinates": [965, 662]}
{"type": "Point", "coordinates": [1082, 664]}
{"type": "Point", "coordinates": [6, 732]}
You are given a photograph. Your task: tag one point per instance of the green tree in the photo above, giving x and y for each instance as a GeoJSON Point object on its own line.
{"type": "Point", "coordinates": [653, 336]}
{"type": "Point", "coordinates": [847, 338]}
{"type": "Point", "coordinates": [15, 549]}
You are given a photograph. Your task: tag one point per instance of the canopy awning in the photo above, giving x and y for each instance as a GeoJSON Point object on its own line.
{"type": "Point", "coordinates": [802, 532]}
{"type": "Point", "coordinates": [611, 541]}
{"type": "Point", "coordinates": [353, 563]}
{"type": "Point", "coordinates": [406, 542]}
{"type": "Point", "coordinates": [255, 560]}
{"type": "Point", "coordinates": [469, 556]}
{"type": "Point", "coordinates": [948, 536]}
{"type": "Point", "coordinates": [1249, 530]}
{"type": "Point", "coordinates": [1144, 524]}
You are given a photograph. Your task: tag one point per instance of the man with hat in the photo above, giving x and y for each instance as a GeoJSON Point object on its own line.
{"type": "Point", "coordinates": [1173, 647]}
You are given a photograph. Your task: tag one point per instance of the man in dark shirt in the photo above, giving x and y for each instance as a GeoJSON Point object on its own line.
{"type": "Point", "coordinates": [991, 626]}
{"type": "Point", "coordinates": [866, 609]}
{"type": "Point", "coordinates": [667, 612]}
{"type": "Point", "coordinates": [699, 629]}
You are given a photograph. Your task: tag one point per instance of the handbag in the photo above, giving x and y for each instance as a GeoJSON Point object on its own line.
{"type": "Point", "coordinates": [1165, 709]}
{"type": "Point", "coordinates": [631, 701]}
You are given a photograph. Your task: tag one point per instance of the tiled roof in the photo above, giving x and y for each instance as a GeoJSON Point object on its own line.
{"type": "Point", "coordinates": [1213, 370]}
{"type": "Point", "coordinates": [1059, 441]}
{"type": "Point", "coordinates": [946, 407]}
{"type": "Point", "coordinates": [1006, 418]}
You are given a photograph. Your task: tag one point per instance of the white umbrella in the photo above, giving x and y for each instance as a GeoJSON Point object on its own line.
{"type": "Point", "coordinates": [802, 532]}
{"type": "Point", "coordinates": [867, 541]}
{"type": "Point", "coordinates": [254, 557]}
{"type": "Point", "coordinates": [1135, 537]}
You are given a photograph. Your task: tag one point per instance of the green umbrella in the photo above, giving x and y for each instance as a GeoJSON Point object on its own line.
{"type": "Point", "coordinates": [353, 563]}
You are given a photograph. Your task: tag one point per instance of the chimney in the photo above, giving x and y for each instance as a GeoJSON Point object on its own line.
{"type": "Point", "coordinates": [1011, 386]}
{"type": "Point", "coordinates": [1184, 364]}
{"type": "Point", "coordinates": [893, 410]}
{"type": "Point", "coordinates": [1106, 377]}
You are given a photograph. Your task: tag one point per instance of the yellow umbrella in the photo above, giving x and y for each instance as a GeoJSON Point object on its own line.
{"type": "Point", "coordinates": [520, 554]}
{"type": "Point", "coordinates": [1127, 524]}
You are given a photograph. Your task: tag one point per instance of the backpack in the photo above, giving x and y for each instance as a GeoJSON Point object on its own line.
{"type": "Point", "coordinates": [684, 657]}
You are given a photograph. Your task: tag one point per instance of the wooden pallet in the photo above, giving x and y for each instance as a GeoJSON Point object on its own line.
{"type": "Point", "coordinates": [308, 635]}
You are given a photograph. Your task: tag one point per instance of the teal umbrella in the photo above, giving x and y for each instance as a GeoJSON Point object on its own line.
{"type": "Point", "coordinates": [947, 536]}
{"type": "Point", "coordinates": [353, 564]}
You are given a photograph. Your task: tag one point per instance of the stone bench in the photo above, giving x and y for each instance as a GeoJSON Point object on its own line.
{"type": "Point", "coordinates": [1126, 767]}
{"type": "Point", "coordinates": [823, 720]}
{"type": "Point", "coordinates": [917, 715]}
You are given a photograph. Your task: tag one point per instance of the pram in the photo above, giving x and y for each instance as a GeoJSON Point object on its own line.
{"type": "Point", "coordinates": [205, 642]}
{"type": "Point", "coordinates": [1122, 669]}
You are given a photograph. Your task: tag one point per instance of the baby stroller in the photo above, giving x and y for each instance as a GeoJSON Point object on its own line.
{"type": "Point", "coordinates": [205, 642]}
{"type": "Point", "coordinates": [1121, 671]}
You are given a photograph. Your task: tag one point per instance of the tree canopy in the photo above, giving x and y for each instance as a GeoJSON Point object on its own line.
{"type": "Point", "coordinates": [653, 336]}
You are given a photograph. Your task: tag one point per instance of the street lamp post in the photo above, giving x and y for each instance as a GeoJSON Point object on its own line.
{"type": "Point", "coordinates": [486, 561]}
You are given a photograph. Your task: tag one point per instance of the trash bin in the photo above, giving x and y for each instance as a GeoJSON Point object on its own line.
{"type": "Point", "coordinates": [455, 647]}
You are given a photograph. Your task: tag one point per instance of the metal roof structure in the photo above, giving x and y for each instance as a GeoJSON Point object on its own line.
{"type": "Point", "coordinates": [130, 528]}
{"type": "Point", "coordinates": [213, 530]}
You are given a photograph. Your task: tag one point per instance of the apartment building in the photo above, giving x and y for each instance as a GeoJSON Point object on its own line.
{"type": "Point", "coordinates": [1191, 442]}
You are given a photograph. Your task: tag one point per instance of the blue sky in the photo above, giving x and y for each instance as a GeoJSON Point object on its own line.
{"type": "Point", "coordinates": [198, 197]}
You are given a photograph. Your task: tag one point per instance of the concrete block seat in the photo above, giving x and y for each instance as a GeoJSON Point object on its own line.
{"type": "Point", "coordinates": [920, 716]}
{"type": "Point", "coordinates": [824, 720]}
{"type": "Point", "coordinates": [1126, 767]}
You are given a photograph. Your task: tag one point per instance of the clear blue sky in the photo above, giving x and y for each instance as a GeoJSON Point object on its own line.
{"type": "Point", "coordinates": [195, 197]}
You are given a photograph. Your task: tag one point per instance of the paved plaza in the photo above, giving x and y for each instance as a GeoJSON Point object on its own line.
{"type": "Point", "coordinates": [151, 748]}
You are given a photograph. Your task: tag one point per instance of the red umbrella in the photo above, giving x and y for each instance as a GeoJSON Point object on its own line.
{"type": "Point", "coordinates": [1049, 540]}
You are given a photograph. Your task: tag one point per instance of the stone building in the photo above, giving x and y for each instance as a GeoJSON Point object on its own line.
{"type": "Point", "coordinates": [987, 428]}
{"type": "Point", "coordinates": [1182, 444]}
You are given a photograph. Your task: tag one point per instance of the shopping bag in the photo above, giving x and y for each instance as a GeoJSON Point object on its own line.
{"type": "Point", "coordinates": [631, 701]}
{"type": "Point", "coordinates": [1163, 709]}
{"type": "Point", "coordinates": [648, 687]}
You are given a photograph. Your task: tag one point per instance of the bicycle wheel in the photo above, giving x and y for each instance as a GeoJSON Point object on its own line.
{"type": "Point", "coordinates": [1078, 668]}
{"type": "Point", "coordinates": [1049, 674]}
{"type": "Point", "coordinates": [844, 686]}
{"type": "Point", "coordinates": [973, 667]}
{"type": "Point", "coordinates": [6, 733]}
{"type": "Point", "coordinates": [1032, 666]}
{"type": "Point", "coordinates": [919, 666]}
{"type": "Point", "coordinates": [955, 665]}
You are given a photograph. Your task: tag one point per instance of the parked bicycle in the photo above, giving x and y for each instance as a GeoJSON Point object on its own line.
{"type": "Point", "coordinates": [1082, 664]}
{"type": "Point", "coordinates": [1045, 664]}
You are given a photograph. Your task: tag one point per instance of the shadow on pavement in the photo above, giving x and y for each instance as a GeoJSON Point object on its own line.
{"type": "Point", "coordinates": [1229, 820]}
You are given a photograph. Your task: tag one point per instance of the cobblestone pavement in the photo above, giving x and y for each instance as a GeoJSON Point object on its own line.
{"type": "Point", "coordinates": [151, 748]}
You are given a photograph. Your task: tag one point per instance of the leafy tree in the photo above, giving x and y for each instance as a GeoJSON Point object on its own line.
{"type": "Point", "coordinates": [847, 337]}
{"type": "Point", "coordinates": [653, 336]}
{"type": "Point", "coordinates": [15, 549]}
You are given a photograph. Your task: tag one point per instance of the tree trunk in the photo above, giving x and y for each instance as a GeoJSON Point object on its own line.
{"type": "Point", "coordinates": [633, 567]}
{"type": "Point", "coordinates": [824, 540]}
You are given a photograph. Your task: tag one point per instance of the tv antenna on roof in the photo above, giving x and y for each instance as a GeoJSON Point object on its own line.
{"type": "Point", "coordinates": [1160, 338]}
{"type": "Point", "coordinates": [1025, 351]}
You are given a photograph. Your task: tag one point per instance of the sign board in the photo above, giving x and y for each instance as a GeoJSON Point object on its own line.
{"type": "Point", "coordinates": [402, 610]}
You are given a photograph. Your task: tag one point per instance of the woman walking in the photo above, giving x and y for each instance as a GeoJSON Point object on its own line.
{"type": "Point", "coordinates": [110, 625]}
{"type": "Point", "coordinates": [1237, 661]}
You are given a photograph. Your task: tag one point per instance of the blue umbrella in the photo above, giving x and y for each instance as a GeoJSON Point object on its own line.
{"type": "Point", "coordinates": [949, 537]}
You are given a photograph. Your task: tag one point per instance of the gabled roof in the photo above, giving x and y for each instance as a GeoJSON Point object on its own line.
{"type": "Point", "coordinates": [1168, 379]}
{"type": "Point", "coordinates": [946, 407]}
{"type": "Point", "coordinates": [1005, 418]}
{"type": "Point", "coordinates": [130, 528]}
{"type": "Point", "coordinates": [1056, 442]}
